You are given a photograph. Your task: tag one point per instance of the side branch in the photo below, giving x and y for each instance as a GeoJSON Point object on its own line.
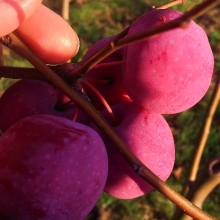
{"type": "Point", "coordinates": [203, 135]}
{"type": "Point", "coordinates": [207, 180]}
{"type": "Point", "coordinates": [119, 42]}
{"type": "Point", "coordinates": [190, 185]}
{"type": "Point", "coordinates": [20, 73]}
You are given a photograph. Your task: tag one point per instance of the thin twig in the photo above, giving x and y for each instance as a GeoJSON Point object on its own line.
{"type": "Point", "coordinates": [115, 44]}
{"type": "Point", "coordinates": [203, 135]}
{"type": "Point", "coordinates": [202, 139]}
{"type": "Point", "coordinates": [171, 4]}
{"type": "Point", "coordinates": [205, 184]}
{"type": "Point", "coordinates": [33, 73]}
{"type": "Point", "coordinates": [120, 41]}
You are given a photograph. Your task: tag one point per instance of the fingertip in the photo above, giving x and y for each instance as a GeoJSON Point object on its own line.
{"type": "Point", "coordinates": [49, 36]}
{"type": "Point", "coordinates": [13, 13]}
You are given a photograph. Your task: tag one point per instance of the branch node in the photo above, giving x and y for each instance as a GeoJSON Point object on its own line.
{"type": "Point", "coordinates": [137, 168]}
{"type": "Point", "coordinates": [6, 41]}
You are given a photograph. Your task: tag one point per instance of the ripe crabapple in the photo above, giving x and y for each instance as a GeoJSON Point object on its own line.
{"type": "Point", "coordinates": [170, 72]}
{"type": "Point", "coordinates": [51, 168]}
{"type": "Point", "coordinates": [149, 137]}
{"type": "Point", "coordinates": [30, 97]}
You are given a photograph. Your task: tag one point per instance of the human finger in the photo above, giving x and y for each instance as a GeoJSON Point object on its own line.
{"type": "Point", "coordinates": [49, 36]}
{"type": "Point", "coordinates": [14, 12]}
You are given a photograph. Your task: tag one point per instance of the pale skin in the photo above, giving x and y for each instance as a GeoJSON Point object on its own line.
{"type": "Point", "coordinates": [50, 37]}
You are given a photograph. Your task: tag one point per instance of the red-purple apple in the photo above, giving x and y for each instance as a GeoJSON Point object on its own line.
{"type": "Point", "coordinates": [149, 137]}
{"type": "Point", "coordinates": [169, 72]}
{"type": "Point", "coordinates": [51, 168]}
{"type": "Point", "coordinates": [30, 97]}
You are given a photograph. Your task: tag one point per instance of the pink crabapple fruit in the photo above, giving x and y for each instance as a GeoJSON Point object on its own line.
{"type": "Point", "coordinates": [51, 168]}
{"type": "Point", "coordinates": [170, 72]}
{"type": "Point", "coordinates": [106, 76]}
{"type": "Point", "coordinates": [149, 138]}
{"type": "Point", "coordinates": [30, 97]}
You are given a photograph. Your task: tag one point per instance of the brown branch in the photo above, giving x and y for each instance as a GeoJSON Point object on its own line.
{"type": "Point", "coordinates": [171, 4]}
{"type": "Point", "coordinates": [65, 9]}
{"type": "Point", "coordinates": [120, 41]}
{"type": "Point", "coordinates": [34, 74]}
{"type": "Point", "coordinates": [203, 134]}
{"type": "Point", "coordinates": [115, 44]}
{"type": "Point", "coordinates": [205, 183]}
{"type": "Point", "coordinates": [202, 139]}
{"type": "Point", "coordinates": [20, 73]}
{"type": "Point", "coordinates": [206, 188]}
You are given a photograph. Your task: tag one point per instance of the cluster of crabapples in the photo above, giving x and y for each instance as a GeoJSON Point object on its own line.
{"type": "Point", "coordinates": [54, 167]}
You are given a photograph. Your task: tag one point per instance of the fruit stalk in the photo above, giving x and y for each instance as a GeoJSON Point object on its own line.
{"type": "Point", "coordinates": [119, 42]}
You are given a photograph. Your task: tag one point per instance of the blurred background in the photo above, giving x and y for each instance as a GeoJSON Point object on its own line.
{"type": "Point", "coordinates": [95, 19]}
